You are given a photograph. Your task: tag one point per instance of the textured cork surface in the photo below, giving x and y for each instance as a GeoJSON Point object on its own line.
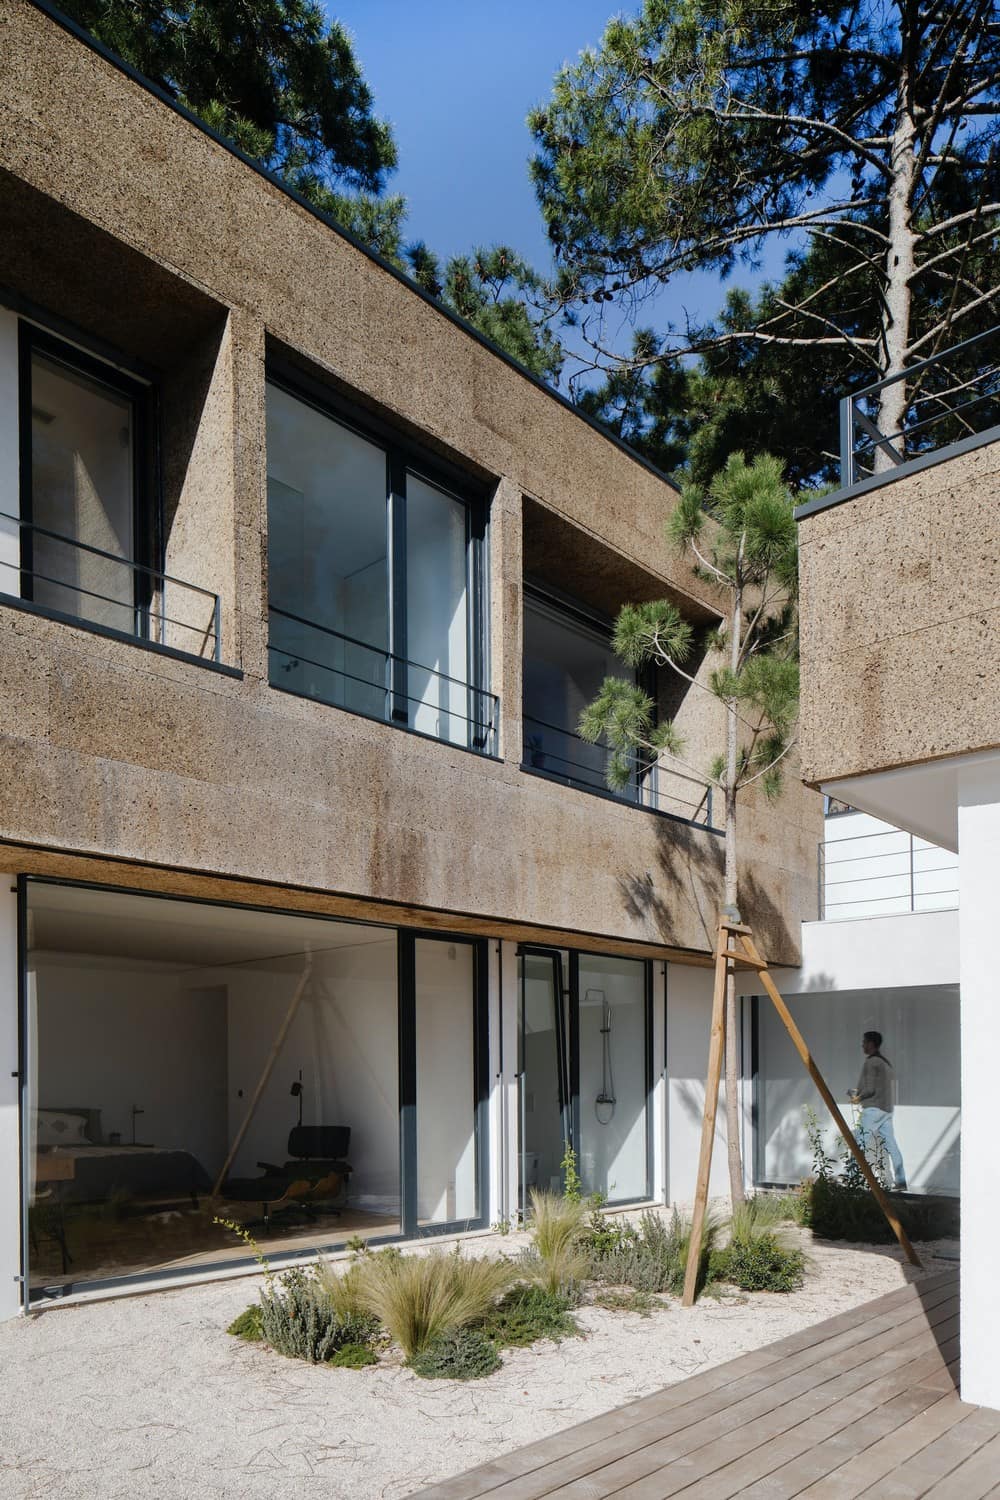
{"type": "Point", "coordinates": [901, 621]}
{"type": "Point", "coordinates": [135, 228]}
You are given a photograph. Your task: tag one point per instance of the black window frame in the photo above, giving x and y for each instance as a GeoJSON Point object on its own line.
{"type": "Point", "coordinates": [403, 457]}
{"type": "Point", "coordinates": [566, 608]}
{"type": "Point", "coordinates": [147, 498]}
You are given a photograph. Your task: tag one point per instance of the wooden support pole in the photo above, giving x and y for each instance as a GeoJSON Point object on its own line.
{"type": "Point", "coordinates": [715, 1054]}
{"type": "Point", "coordinates": [831, 1104]}
{"type": "Point", "coordinates": [275, 1052]}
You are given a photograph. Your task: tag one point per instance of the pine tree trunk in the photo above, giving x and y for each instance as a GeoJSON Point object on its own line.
{"type": "Point", "coordinates": [733, 1131]}
{"type": "Point", "coordinates": [900, 265]}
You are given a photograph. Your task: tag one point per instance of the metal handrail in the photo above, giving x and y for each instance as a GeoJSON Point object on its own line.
{"type": "Point", "coordinates": [143, 613]}
{"type": "Point", "coordinates": [482, 724]}
{"type": "Point", "coordinates": [644, 792]}
{"type": "Point", "coordinates": [894, 444]}
{"type": "Point", "coordinates": [907, 876]}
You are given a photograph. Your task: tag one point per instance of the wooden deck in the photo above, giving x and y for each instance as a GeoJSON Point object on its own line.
{"type": "Point", "coordinates": [864, 1404]}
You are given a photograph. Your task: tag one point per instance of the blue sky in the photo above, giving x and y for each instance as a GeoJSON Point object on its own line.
{"type": "Point", "coordinates": [456, 81]}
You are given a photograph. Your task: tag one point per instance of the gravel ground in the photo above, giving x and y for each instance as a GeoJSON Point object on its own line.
{"type": "Point", "coordinates": [148, 1396]}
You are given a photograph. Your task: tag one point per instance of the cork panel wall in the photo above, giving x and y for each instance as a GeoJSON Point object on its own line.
{"type": "Point", "coordinates": [901, 621]}
{"type": "Point", "coordinates": [76, 129]}
{"type": "Point", "coordinates": [109, 750]}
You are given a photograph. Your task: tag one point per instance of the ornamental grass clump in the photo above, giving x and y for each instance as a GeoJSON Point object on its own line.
{"type": "Point", "coordinates": [418, 1298]}
{"type": "Point", "coordinates": [560, 1260]}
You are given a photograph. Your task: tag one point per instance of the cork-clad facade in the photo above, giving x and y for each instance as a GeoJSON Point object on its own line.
{"type": "Point", "coordinates": [236, 671]}
{"type": "Point", "coordinates": [901, 591]}
{"type": "Point", "coordinates": [901, 718]}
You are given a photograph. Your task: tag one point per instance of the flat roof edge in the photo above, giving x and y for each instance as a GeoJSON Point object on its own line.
{"type": "Point", "coordinates": [94, 45]}
{"type": "Point", "coordinates": [901, 471]}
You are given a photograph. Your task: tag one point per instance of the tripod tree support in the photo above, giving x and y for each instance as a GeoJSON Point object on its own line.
{"type": "Point", "coordinates": [746, 956]}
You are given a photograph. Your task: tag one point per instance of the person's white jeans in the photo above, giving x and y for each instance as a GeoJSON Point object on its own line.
{"type": "Point", "coordinates": [876, 1124]}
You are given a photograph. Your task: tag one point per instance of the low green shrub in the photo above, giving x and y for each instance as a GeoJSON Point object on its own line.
{"type": "Point", "coordinates": [353, 1357]}
{"type": "Point", "coordinates": [247, 1325]}
{"type": "Point", "coordinates": [459, 1354]}
{"type": "Point", "coordinates": [630, 1301]}
{"type": "Point", "coordinates": [655, 1259]}
{"type": "Point", "coordinates": [834, 1211]}
{"type": "Point", "coordinates": [298, 1320]}
{"type": "Point", "coordinates": [760, 1263]}
{"type": "Point", "coordinates": [530, 1313]}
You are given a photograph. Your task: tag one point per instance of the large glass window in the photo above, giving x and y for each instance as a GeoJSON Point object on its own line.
{"type": "Point", "coordinates": [328, 578]}
{"type": "Point", "coordinates": [584, 1065]}
{"type": "Point", "coordinates": [447, 1185]}
{"type": "Point", "coordinates": [565, 662]}
{"type": "Point", "coordinates": [920, 1037]}
{"type": "Point", "coordinates": [82, 434]}
{"type": "Point", "coordinates": [188, 1063]}
{"type": "Point", "coordinates": [373, 606]}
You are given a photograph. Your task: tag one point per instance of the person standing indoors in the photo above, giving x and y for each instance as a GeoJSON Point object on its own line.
{"type": "Point", "coordinates": [874, 1093]}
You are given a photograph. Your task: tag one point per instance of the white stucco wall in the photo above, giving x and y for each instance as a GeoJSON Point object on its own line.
{"type": "Point", "coordinates": [689, 1023]}
{"type": "Point", "coordinates": [979, 851]}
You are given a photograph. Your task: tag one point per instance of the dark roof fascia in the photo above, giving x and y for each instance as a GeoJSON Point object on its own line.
{"type": "Point", "coordinates": [901, 471]}
{"type": "Point", "coordinates": [81, 35]}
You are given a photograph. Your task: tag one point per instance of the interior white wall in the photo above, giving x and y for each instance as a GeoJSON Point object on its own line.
{"type": "Point", "coordinates": [344, 1039]}
{"type": "Point", "coordinates": [979, 851]}
{"type": "Point", "coordinates": [659, 1101]}
{"type": "Point", "coordinates": [10, 1151]}
{"type": "Point", "coordinates": [10, 498]}
{"type": "Point", "coordinates": [446, 1103]}
{"type": "Point", "coordinates": [612, 1146]}
{"type": "Point", "coordinates": [689, 1022]}
{"type": "Point", "coordinates": [113, 1036]}
{"type": "Point", "coordinates": [508, 1132]}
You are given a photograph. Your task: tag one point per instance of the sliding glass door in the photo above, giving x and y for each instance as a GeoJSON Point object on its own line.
{"type": "Point", "coordinates": [585, 1072]}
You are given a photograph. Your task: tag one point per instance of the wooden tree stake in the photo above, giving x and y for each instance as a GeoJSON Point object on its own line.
{"type": "Point", "coordinates": [747, 956]}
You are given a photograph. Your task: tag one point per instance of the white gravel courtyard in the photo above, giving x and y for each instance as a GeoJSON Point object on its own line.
{"type": "Point", "coordinates": [148, 1395]}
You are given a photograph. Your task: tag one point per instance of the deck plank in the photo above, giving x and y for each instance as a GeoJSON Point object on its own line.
{"type": "Point", "coordinates": [864, 1403]}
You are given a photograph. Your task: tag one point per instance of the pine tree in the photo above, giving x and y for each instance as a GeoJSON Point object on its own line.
{"type": "Point", "coordinates": [740, 534]}
{"type": "Point", "coordinates": [701, 130]}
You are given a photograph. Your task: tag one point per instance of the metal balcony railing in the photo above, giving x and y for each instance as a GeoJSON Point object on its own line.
{"type": "Point", "coordinates": [949, 397]}
{"type": "Point", "coordinates": [316, 662]}
{"type": "Point", "coordinates": [564, 756]}
{"type": "Point", "coordinates": [79, 582]}
{"type": "Point", "coordinates": [883, 873]}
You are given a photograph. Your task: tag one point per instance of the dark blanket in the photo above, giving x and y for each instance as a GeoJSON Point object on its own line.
{"type": "Point", "coordinates": [101, 1172]}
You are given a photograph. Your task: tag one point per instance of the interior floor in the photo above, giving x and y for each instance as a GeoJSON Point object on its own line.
{"type": "Point", "coordinates": [103, 1242]}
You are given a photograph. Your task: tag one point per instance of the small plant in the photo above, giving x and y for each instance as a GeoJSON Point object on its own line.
{"type": "Point", "coordinates": [247, 1325]}
{"type": "Point", "coordinates": [419, 1298]}
{"type": "Point", "coordinates": [502, 1226]}
{"type": "Point", "coordinates": [652, 1259]}
{"type": "Point", "coordinates": [458, 1354]}
{"type": "Point", "coordinates": [357, 1244]}
{"type": "Point", "coordinates": [603, 1236]}
{"type": "Point", "coordinates": [761, 1263]}
{"type": "Point", "coordinates": [556, 1239]}
{"type": "Point", "coordinates": [353, 1357]}
{"type": "Point", "coordinates": [297, 1319]}
{"type": "Point", "coordinates": [630, 1301]}
{"type": "Point", "coordinates": [572, 1181]}
{"type": "Point", "coordinates": [530, 1313]}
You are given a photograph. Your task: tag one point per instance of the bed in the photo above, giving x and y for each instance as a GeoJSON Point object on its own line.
{"type": "Point", "coordinates": [92, 1170]}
